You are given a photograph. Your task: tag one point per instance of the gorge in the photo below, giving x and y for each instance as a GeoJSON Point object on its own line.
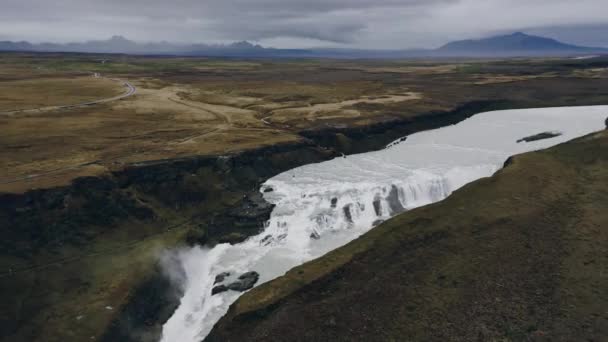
{"type": "Point", "coordinates": [320, 207]}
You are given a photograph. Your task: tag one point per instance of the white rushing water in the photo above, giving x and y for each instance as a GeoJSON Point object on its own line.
{"type": "Point", "coordinates": [320, 207]}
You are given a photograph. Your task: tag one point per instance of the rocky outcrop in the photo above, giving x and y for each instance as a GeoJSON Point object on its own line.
{"type": "Point", "coordinates": [377, 203]}
{"type": "Point", "coordinates": [347, 213]}
{"type": "Point", "coordinates": [220, 277]}
{"type": "Point", "coordinates": [393, 201]}
{"type": "Point", "coordinates": [245, 282]}
{"type": "Point", "coordinates": [218, 289]}
{"type": "Point", "coordinates": [151, 303]}
{"type": "Point", "coordinates": [247, 218]}
{"type": "Point", "coordinates": [377, 223]}
{"type": "Point", "coordinates": [540, 136]}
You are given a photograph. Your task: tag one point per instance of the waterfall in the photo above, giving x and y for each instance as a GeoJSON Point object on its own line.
{"type": "Point", "coordinates": [320, 207]}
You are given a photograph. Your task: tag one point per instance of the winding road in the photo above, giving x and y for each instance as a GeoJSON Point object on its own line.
{"type": "Point", "coordinates": [225, 123]}
{"type": "Point", "coordinates": [131, 90]}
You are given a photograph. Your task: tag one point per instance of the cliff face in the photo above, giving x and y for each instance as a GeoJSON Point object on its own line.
{"type": "Point", "coordinates": [518, 256]}
{"type": "Point", "coordinates": [82, 260]}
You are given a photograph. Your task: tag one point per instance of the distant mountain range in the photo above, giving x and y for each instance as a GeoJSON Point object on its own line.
{"type": "Point", "coordinates": [516, 44]}
{"type": "Point", "coordinates": [119, 44]}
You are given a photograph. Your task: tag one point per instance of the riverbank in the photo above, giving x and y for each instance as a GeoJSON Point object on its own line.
{"type": "Point", "coordinates": [516, 256]}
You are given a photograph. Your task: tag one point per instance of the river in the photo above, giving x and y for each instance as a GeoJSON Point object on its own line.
{"type": "Point", "coordinates": [320, 207]}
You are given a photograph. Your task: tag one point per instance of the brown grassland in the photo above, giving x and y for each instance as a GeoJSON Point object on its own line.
{"type": "Point", "coordinates": [187, 107]}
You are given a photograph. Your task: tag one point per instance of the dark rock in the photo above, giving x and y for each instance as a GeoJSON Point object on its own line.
{"type": "Point", "coordinates": [393, 201]}
{"type": "Point", "coordinates": [197, 236]}
{"type": "Point", "coordinates": [315, 236]}
{"type": "Point", "coordinates": [334, 202]}
{"type": "Point", "coordinates": [247, 217]}
{"type": "Point", "coordinates": [540, 136]}
{"type": "Point", "coordinates": [233, 238]}
{"type": "Point", "coordinates": [246, 281]}
{"type": "Point", "coordinates": [377, 206]}
{"type": "Point", "coordinates": [268, 190]}
{"type": "Point", "coordinates": [253, 206]}
{"type": "Point", "coordinates": [266, 240]}
{"type": "Point", "coordinates": [153, 302]}
{"type": "Point", "coordinates": [220, 277]}
{"type": "Point", "coordinates": [377, 223]}
{"type": "Point", "coordinates": [250, 275]}
{"type": "Point", "coordinates": [399, 141]}
{"type": "Point", "coordinates": [606, 123]}
{"type": "Point", "coordinates": [347, 214]}
{"type": "Point", "coordinates": [219, 289]}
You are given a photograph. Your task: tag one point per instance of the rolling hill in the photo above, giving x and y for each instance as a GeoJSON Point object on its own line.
{"type": "Point", "coordinates": [516, 44]}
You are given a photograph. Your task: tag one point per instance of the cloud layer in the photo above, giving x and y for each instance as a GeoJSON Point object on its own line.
{"type": "Point", "coordinates": [301, 23]}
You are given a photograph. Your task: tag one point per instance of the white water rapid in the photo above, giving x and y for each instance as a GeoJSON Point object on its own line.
{"type": "Point", "coordinates": [320, 207]}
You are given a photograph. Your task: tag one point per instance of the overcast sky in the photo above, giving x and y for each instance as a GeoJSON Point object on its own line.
{"type": "Point", "coordinates": [303, 23]}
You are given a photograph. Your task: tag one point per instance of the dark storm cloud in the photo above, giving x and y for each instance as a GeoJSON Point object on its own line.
{"type": "Point", "coordinates": [329, 20]}
{"type": "Point", "coordinates": [361, 23]}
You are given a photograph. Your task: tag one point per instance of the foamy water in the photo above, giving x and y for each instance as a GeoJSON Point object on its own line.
{"type": "Point", "coordinates": [320, 207]}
